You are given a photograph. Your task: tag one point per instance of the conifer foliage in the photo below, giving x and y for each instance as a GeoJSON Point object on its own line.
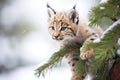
{"type": "Point", "coordinates": [104, 51]}
{"type": "Point", "coordinates": [105, 48]}
{"type": "Point", "coordinates": [56, 58]}
{"type": "Point", "coordinates": [105, 14]}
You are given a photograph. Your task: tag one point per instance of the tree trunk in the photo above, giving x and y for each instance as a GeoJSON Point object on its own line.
{"type": "Point", "coordinates": [115, 72]}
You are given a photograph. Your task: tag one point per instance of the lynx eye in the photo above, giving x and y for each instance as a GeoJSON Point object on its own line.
{"type": "Point", "coordinates": [52, 27]}
{"type": "Point", "coordinates": [63, 28]}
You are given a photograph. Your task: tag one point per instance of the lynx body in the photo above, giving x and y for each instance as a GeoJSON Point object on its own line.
{"type": "Point", "coordinates": [67, 28]}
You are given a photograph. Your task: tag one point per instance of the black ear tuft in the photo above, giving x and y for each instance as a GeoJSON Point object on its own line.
{"type": "Point", "coordinates": [51, 11]}
{"type": "Point", "coordinates": [48, 6]}
{"type": "Point", "coordinates": [74, 7]}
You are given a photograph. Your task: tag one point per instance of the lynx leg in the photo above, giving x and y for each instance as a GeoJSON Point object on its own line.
{"type": "Point", "coordinates": [88, 54]}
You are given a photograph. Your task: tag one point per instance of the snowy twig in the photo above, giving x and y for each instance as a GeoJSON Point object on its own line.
{"type": "Point", "coordinates": [103, 1]}
{"type": "Point", "coordinates": [110, 28]}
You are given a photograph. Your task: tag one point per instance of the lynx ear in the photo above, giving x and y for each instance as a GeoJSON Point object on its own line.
{"type": "Point", "coordinates": [51, 11]}
{"type": "Point", "coordinates": [73, 15]}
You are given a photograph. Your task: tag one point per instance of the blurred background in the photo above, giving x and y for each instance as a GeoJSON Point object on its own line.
{"type": "Point", "coordinates": [25, 42]}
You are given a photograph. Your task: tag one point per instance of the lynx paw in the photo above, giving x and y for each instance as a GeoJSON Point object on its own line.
{"type": "Point", "coordinates": [86, 54]}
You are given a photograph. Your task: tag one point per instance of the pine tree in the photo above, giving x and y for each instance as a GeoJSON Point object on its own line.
{"type": "Point", "coordinates": [107, 15]}
{"type": "Point", "coordinates": [106, 59]}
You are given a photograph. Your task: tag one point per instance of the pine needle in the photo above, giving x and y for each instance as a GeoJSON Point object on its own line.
{"type": "Point", "coordinates": [56, 58]}
{"type": "Point", "coordinates": [104, 50]}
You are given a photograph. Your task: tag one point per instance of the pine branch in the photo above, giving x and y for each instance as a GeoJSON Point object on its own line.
{"type": "Point", "coordinates": [104, 49]}
{"type": "Point", "coordinates": [105, 13]}
{"type": "Point", "coordinates": [56, 58]}
{"type": "Point", "coordinates": [81, 68]}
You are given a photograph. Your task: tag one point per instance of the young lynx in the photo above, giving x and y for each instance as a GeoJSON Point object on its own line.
{"type": "Point", "coordinates": [67, 28]}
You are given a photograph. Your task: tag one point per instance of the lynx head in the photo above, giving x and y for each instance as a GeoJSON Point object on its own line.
{"type": "Point", "coordinates": [62, 25]}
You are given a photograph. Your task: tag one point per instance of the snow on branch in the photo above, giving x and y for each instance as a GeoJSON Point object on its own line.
{"type": "Point", "coordinates": [109, 29]}
{"type": "Point", "coordinates": [104, 50]}
{"type": "Point", "coordinates": [102, 1]}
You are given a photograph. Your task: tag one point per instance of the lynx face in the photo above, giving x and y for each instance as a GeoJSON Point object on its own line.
{"type": "Point", "coordinates": [62, 25]}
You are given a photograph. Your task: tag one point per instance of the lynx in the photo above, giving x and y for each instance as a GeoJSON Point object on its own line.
{"type": "Point", "coordinates": [67, 27]}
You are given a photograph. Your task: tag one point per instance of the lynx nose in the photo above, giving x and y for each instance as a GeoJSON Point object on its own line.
{"type": "Point", "coordinates": [55, 37]}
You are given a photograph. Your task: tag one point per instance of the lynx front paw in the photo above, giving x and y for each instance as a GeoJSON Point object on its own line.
{"type": "Point", "coordinates": [86, 54]}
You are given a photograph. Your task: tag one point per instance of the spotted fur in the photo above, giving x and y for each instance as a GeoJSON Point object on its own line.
{"type": "Point", "coordinates": [67, 28]}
